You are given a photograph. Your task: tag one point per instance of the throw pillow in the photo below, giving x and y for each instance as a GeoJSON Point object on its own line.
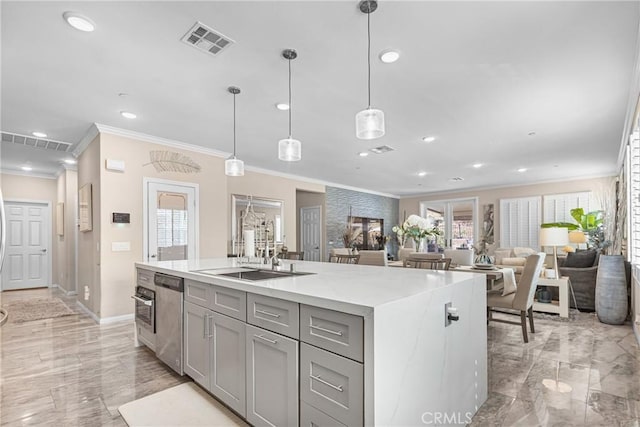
{"type": "Point", "coordinates": [523, 252]}
{"type": "Point", "coordinates": [580, 259]}
{"type": "Point", "coordinates": [501, 254]}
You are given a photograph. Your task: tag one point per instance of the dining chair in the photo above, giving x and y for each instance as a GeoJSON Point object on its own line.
{"type": "Point", "coordinates": [431, 264]}
{"type": "Point", "coordinates": [522, 299]}
{"type": "Point", "coordinates": [344, 259]}
{"type": "Point", "coordinates": [292, 255]}
{"type": "Point", "coordinates": [372, 258]}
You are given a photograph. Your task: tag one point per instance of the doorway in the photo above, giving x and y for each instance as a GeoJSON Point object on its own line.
{"type": "Point", "coordinates": [27, 261]}
{"type": "Point", "coordinates": [457, 220]}
{"type": "Point", "coordinates": [171, 220]}
{"type": "Point", "coordinates": [310, 232]}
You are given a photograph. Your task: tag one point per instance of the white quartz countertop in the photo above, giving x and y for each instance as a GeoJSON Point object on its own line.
{"type": "Point", "coordinates": [351, 288]}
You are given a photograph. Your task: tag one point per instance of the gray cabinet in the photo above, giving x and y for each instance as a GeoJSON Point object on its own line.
{"type": "Point", "coordinates": [337, 332]}
{"type": "Point", "coordinates": [272, 378]}
{"type": "Point", "coordinates": [231, 302]}
{"type": "Point", "coordinates": [214, 353]}
{"type": "Point", "coordinates": [274, 314]}
{"type": "Point", "coordinates": [197, 354]}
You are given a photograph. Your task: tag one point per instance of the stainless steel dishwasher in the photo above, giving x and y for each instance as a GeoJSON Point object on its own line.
{"type": "Point", "coordinates": [169, 296]}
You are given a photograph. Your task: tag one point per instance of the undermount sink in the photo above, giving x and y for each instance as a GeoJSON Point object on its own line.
{"type": "Point", "coordinates": [251, 274]}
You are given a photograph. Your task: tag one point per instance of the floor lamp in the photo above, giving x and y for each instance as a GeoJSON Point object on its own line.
{"type": "Point", "coordinates": [555, 236]}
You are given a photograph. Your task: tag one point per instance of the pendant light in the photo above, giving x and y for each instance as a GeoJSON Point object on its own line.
{"type": "Point", "coordinates": [369, 122]}
{"type": "Point", "coordinates": [234, 166]}
{"type": "Point", "coordinates": [289, 149]}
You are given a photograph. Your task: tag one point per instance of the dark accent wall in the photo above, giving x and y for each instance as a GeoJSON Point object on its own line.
{"type": "Point", "coordinates": [338, 201]}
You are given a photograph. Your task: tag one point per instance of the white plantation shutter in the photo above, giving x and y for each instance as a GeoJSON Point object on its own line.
{"type": "Point", "coordinates": [557, 207]}
{"type": "Point", "coordinates": [634, 196]}
{"type": "Point", "coordinates": [520, 222]}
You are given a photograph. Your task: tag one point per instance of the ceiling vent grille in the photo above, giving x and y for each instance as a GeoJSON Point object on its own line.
{"type": "Point", "coordinates": [457, 178]}
{"type": "Point", "coordinates": [382, 149]}
{"type": "Point", "coordinates": [206, 39]}
{"type": "Point", "coordinates": [31, 141]}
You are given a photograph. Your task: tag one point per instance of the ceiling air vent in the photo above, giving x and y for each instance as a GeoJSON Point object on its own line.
{"type": "Point", "coordinates": [206, 39]}
{"type": "Point", "coordinates": [381, 150]}
{"type": "Point", "coordinates": [457, 178]}
{"type": "Point", "coordinates": [31, 141]}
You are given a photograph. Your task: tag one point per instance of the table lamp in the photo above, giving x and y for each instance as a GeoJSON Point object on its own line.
{"type": "Point", "coordinates": [556, 236]}
{"type": "Point", "coordinates": [578, 237]}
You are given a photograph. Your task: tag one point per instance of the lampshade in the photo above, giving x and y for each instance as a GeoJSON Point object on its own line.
{"type": "Point", "coordinates": [233, 167]}
{"type": "Point", "coordinates": [577, 236]}
{"type": "Point", "coordinates": [370, 124]}
{"type": "Point", "coordinates": [556, 236]}
{"type": "Point", "coordinates": [289, 150]}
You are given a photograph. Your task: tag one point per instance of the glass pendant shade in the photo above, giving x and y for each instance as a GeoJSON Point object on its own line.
{"type": "Point", "coordinates": [370, 124]}
{"type": "Point", "coordinates": [233, 167]}
{"type": "Point", "coordinates": [289, 150]}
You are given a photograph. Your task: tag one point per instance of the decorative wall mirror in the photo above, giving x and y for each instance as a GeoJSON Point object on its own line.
{"type": "Point", "coordinates": [269, 213]}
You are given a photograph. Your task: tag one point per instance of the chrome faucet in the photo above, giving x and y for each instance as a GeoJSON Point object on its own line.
{"type": "Point", "coordinates": [275, 262]}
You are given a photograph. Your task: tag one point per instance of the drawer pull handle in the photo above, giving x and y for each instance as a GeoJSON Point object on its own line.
{"type": "Point", "coordinates": [266, 313]}
{"type": "Point", "coordinates": [143, 278]}
{"type": "Point", "coordinates": [262, 337]}
{"type": "Point", "coordinates": [329, 331]}
{"type": "Point", "coordinates": [327, 383]}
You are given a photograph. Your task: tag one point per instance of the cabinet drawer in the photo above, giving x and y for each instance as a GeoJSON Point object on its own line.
{"type": "Point", "coordinates": [274, 314]}
{"type": "Point", "coordinates": [227, 301]}
{"type": "Point", "coordinates": [334, 331]}
{"type": "Point", "coordinates": [144, 277]}
{"type": "Point", "coordinates": [312, 417]}
{"type": "Point", "coordinates": [332, 384]}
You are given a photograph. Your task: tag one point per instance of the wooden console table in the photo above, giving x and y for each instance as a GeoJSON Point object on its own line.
{"type": "Point", "coordinates": [561, 306]}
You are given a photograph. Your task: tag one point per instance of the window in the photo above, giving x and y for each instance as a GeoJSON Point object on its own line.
{"type": "Point", "coordinates": [557, 207]}
{"type": "Point", "coordinates": [634, 198]}
{"type": "Point", "coordinates": [520, 222]}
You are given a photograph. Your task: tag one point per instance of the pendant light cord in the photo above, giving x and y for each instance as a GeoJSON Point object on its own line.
{"type": "Point", "coordinates": [234, 125]}
{"type": "Point", "coordinates": [289, 98]}
{"type": "Point", "coordinates": [369, 58]}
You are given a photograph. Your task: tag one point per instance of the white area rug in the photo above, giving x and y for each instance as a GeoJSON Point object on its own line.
{"type": "Point", "coordinates": [26, 310]}
{"type": "Point", "coordinates": [185, 405]}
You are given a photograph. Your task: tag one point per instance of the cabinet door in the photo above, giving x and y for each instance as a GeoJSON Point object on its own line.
{"type": "Point", "coordinates": [228, 361]}
{"type": "Point", "coordinates": [197, 344]}
{"type": "Point", "coordinates": [272, 379]}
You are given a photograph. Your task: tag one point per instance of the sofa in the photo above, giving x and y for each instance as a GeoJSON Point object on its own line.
{"type": "Point", "coordinates": [513, 258]}
{"type": "Point", "coordinates": [581, 268]}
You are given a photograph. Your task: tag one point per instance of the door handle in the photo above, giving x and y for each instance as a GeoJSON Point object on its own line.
{"type": "Point", "coordinates": [43, 250]}
{"type": "Point", "coordinates": [153, 256]}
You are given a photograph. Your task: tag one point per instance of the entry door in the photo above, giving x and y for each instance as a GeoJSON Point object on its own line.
{"type": "Point", "coordinates": [456, 219]}
{"type": "Point", "coordinates": [28, 254]}
{"type": "Point", "coordinates": [172, 225]}
{"type": "Point", "coordinates": [310, 221]}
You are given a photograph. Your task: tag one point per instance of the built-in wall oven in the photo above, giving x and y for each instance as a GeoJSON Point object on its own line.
{"type": "Point", "coordinates": [145, 309]}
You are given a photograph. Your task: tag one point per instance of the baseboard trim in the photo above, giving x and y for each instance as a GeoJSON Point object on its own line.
{"type": "Point", "coordinates": [88, 312]}
{"type": "Point", "coordinates": [104, 320]}
{"type": "Point", "coordinates": [66, 292]}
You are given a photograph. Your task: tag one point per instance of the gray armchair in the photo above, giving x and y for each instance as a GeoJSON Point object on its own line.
{"type": "Point", "coordinates": [583, 283]}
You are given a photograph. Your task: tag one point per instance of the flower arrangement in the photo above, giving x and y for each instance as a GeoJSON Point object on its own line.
{"type": "Point", "coordinates": [350, 235]}
{"type": "Point", "coordinates": [416, 228]}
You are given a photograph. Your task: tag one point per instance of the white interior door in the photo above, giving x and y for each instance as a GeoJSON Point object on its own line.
{"type": "Point", "coordinates": [171, 214]}
{"type": "Point", "coordinates": [28, 246]}
{"type": "Point", "coordinates": [310, 224]}
{"type": "Point", "coordinates": [457, 220]}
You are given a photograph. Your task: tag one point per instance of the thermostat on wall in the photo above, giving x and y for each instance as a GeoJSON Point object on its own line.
{"type": "Point", "coordinates": [120, 218]}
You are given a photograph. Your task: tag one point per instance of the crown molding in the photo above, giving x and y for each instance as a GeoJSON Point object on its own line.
{"type": "Point", "coordinates": [318, 181]}
{"type": "Point", "coordinates": [27, 174]}
{"type": "Point", "coordinates": [91, 134]}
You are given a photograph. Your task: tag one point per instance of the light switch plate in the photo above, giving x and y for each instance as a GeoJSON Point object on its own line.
{"type": "Point", "coordinates": [120, 246]}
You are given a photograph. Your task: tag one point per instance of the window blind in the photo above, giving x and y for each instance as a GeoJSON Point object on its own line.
{"type": "Point", "coordinates": [634, 196]}
{"type": "Point", "coordinates": [557, 207]}
{"type": "Point", "coordinates": [520, 220]}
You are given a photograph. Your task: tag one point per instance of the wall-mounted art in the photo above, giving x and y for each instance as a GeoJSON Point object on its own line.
{"type": "Point", "coordinates": [168, 161]}
{"type": "Point", "coordinates": [84, 208]}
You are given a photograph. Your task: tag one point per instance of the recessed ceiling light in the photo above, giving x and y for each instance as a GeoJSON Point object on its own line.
{"type": "Point", "coordinates": [477, 165]}
{"type": "Point", "coordinates": [423, 173]}
{"type": "Point", "coordinates": [27, 168]}
{"type": "Point", "coordinates": [389, 55]}
{"type": "Point", "coordinates": [79, 22]}
{"type": "Point", "coordinates": [282, 106]}
{"type": "Point", "coordinates": [429, 138]}
{"type": "Point", "coordinates": [70, 161]}
{"type": "Point", "coordinates": [363, 154]}
{"type": "Point", "coordinates": [39, 134]}
{"type": "Point", "coordinates": [522, 170]}
{"type": "Point", "coordinates": [128, 115]}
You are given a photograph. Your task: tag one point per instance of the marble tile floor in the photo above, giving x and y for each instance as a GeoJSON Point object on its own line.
{"type": "Point", "coordinates": [571, 373]}
{"type": "Point", "coordinates": [69, 371]}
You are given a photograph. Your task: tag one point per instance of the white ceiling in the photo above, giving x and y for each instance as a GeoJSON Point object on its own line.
{"type": "Point", "coordinates": [480, 76]}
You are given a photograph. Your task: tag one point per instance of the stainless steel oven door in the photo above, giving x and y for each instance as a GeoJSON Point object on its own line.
{"type": "Point", "coordinates": [145, 308]}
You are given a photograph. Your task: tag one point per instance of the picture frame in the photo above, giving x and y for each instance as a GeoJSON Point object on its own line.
{"type": "Point", "coordinates": [85, 212]}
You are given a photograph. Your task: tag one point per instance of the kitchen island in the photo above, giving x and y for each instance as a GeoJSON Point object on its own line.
{"type": "Point", "coordinates": [366, 345]}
